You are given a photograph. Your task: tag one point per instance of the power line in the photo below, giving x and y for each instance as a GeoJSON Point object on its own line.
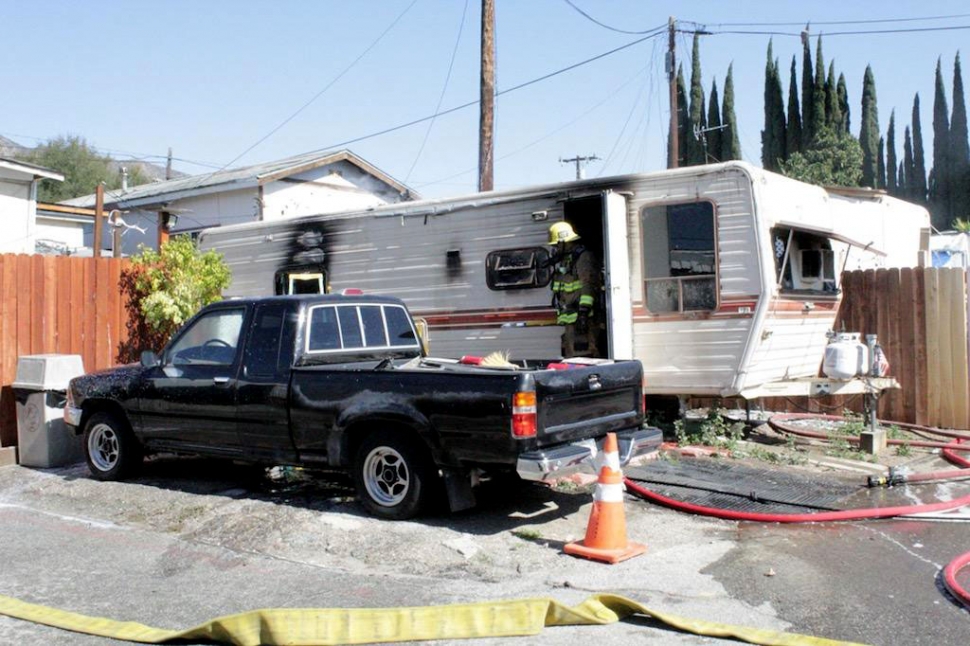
{"type": "Point", "coordinates": [827, 34]}
{"type": "Point", "coordinates": [499, 93]}
{"type": "Point", "coordinates": [827, 22]}
{"type": "Point", "coordinates": [327, 87]}
{"type": "Point", "coordinates": [441, 97]}
{"type": "Point", "coordinates": [605, 26]}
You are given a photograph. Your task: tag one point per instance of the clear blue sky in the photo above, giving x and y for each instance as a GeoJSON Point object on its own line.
{"type": "Point", "coordinates": [210, 79]}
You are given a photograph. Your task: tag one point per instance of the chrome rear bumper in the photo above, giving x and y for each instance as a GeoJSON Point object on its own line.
{"type": "Point", "coordinates": [558, 461]}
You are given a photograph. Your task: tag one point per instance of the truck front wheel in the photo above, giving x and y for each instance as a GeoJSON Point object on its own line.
{"type": "Point", "coordinates": [110, 447]}
{"type": "Point", "coordinates": [394, 475]}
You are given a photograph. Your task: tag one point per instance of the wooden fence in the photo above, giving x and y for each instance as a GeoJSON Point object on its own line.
{"type": "Point", "coordinates": [57, 304]}
{"type": "Point", "coordinates": [920, 316]}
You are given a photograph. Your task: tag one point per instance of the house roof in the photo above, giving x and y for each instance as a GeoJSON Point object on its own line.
{"type": "Point", "coordinates": [157, 193]}
{"type": "Point", "coordinates": [30, 169]}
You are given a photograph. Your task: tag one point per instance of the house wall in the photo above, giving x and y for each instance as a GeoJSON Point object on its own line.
{"type": "Point", "coordinates": [17, 207]}
{"type": "Point", "coordinates": [333, 188]}
{"type": "Point", "coordinates": [66, 232]}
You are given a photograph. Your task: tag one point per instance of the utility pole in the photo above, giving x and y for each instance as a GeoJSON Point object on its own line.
{"type": "Point", "coordinates": [487, 101]}
{"type": "Point", "coordinates": [672, 80]}
{"type": "Point", "coordinates": [98, 219]}
{"type": "Point", "coordinates": [168, 164]}
{"type": "Point", "coordinates": [580, 162]}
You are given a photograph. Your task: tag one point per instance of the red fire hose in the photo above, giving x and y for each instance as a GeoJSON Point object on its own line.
{"type": "Point", "coordinates": [779, 423]}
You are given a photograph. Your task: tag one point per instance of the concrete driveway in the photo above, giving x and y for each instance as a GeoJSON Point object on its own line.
{"type": "Point", "coordinates": [194, 539]}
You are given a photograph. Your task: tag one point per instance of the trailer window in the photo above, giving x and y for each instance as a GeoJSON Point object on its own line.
{"type": "Point", "coordinates": [301, 282]}
{"type": "Point", "coordinates": [680, 257]}
{"type": "Point", "coordinates": [518, 268]}
{"type": "Point", "coordinates": [804, 262]}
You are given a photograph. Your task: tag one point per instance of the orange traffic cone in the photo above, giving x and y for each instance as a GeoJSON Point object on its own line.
{"type": "Point", "coordinates": [606, 532]}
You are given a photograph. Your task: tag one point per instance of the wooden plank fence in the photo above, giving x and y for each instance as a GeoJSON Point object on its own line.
{"type": "Point", "coordinates": [921, 318]}
{"type": "Point", "coordinates": [57, 304]}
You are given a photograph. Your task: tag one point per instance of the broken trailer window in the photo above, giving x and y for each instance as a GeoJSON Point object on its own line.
{"type": "Point", "coordinates": [804, 262]}
{"type": "Point", "coordinates": [679, 257]}
{"type": "Point", "coordinates": [518, 268]}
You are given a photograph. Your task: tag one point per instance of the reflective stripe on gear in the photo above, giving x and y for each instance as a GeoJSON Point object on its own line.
{"type": "Point", "coordinates": [586, 301]}
{"type": "Point", "coordinates": [567, 288]}
{"type": "Point", "coordinates": [567, 318]}
{"type": "Point", "coordinates": [520, 617]}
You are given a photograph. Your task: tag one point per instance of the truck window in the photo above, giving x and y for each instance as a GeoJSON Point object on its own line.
{"type": "Point", "coordinates": [518, 268]}
{"type": "Point", "coordinates": [324, 333]}
{"type": "Point", "coordinates": [680, 257]}
{"type": "Point", "coordinates": [211, 340]}
{"type": "Point", "coordinates": [263, 358]}
{"type": "Point", "coordinates": [375, 336]}
{"type": "Point", "coordinates": [399, 328]}
{"type": "Point", "coordinates": [350, 327]}
{"type": "Point", "coordinates": [350, 332]}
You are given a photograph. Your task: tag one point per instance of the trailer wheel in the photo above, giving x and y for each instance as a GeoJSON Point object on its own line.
{"type": "Point", "coordinates": [110, 448]}
{"type": "Point", "coordinates": [394, 475]}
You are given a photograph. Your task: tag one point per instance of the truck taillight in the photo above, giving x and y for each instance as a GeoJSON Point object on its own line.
{"type": "Point", "coordinates": [524, 414]}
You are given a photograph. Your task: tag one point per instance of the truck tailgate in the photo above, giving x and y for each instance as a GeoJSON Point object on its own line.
{"type": "Point", "coordinates": [588, 402]}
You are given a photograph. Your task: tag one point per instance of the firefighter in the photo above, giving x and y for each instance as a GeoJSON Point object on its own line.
{"type": "Point", "coordinates": [576, 283]}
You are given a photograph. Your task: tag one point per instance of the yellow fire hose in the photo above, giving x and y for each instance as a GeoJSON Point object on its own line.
{"type": "Point", "coordinates": [371, 625]}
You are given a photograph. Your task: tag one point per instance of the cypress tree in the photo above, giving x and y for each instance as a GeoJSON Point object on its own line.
{"type": "Point", "coordinates": [918, 180]}
{"type": "Point", "coordinates": [818, 93]}
{"type": "Point", "coordinates": [683, 118]}
{"type": "Point", "coordinates": [901, 182]}
{"type": "Point", "coordinates": [730, 146]}
{"type": "Point", "coordinates": [907, 172]}
{"type": "Point", "coordinates": [939, 193]}
{"type": "Point", "coordinates": [713, 139]}
{"type": "Point", "coordinates": [881, 167]}
{"type": "Point", "coordinates": [773, 135]}
{"type": "Point", "coordinates": [696, 154]}
{"type": "Point", "coordinates": [808, 92]}
{"type": "Point", "coordinates": [891, 163]}
{"type": "Point", "coordinates": [843, 94]}
{"type": "Point", "coordinates": [833, 118]}
{"type": "Point", "coordinates": [959, 146]}
{"type": "Point", "coordinates": [793, 129]}
{"type": "Point", "coordinates": [869, 133]}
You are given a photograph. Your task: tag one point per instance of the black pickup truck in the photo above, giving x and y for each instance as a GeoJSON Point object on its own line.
{"type": "Point", "coordinates": [342, 382]}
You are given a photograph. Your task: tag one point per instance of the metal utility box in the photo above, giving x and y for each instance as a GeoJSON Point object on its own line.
{"type": "Point", "coordinates": [43, 439]}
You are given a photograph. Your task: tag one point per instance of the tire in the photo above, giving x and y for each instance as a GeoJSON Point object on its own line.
{"type": "Point", "coordinates": [110, 448]}
{"type": "Point", "coordinates": [394, 475]}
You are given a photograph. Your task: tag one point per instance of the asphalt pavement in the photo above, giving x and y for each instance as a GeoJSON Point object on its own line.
{"type": "Point", "coordinates": [190, 540]}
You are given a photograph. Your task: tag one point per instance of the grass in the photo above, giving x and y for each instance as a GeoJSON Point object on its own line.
{"type": "Point", "coordinates": [527, 534]}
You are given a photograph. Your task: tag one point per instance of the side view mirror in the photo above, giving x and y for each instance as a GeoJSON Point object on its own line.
{"type": "Point", "coordinates": [148, 359]}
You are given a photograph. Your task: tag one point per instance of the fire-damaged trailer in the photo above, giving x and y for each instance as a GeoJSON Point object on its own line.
{"type": "Point", "coordinates": [721, 279]}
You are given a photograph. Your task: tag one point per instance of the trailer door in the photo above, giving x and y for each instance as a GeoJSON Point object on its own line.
{"type": "Point", "coordinates": [616, 277]}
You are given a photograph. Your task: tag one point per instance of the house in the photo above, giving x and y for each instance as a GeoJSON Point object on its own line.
{"type": "Point", "coordinates": [308, 184]}
{"type": "Point", "coordinates": [18, 204]}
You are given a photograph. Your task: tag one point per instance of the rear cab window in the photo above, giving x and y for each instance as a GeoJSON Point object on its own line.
{"type": "Point", "coordinates": [370, 327]}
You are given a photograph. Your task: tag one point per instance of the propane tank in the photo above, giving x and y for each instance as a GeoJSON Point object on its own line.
{"type": "Point", "coordinates": [845, 356]}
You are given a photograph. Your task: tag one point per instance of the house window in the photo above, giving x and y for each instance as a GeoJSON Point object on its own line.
{"type": "Point", "coordinates": [680, 257]}
{"type": "Point", "coordinates": [518, 268]}
{"type": "Point", "coordinates": [804, 262]}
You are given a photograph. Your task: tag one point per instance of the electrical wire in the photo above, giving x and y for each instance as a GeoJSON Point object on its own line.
{"type": "Point", "coordinates": [441, 97]}
{"type": "Point", "coordinates": [469, 104]}
{"type": "Point", "coordinates": [828, 34]}
{"type": "Point", "coordinates": [611, 28]}
{"type": "Point", "coordinates": [826, 22]}
{"type": "Point", "coordinates": [318, 94]}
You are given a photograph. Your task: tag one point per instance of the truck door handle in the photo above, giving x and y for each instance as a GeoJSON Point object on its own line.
{"type": "Point", "coordinates": [220, 381]}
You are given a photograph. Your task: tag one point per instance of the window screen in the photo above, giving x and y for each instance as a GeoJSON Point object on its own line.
{"type": "Point", "coordinates": [680, 256]}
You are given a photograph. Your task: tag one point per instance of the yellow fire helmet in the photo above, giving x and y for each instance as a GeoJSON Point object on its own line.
{"type": "Point", "coordinates": [561, 232]}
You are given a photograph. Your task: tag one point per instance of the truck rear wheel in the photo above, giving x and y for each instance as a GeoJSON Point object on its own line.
{"type": "Point", "coordinates": [110, 448]}
{"type": "Point", "coordinates": [394, 475]}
